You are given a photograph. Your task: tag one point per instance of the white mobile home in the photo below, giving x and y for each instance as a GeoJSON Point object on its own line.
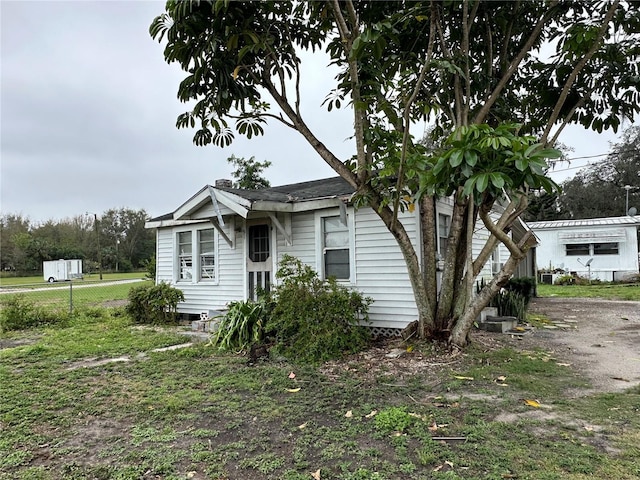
{"type": "Point", "coordinates": [224, 244]}
{"type": "Point", "coordinates": [597, 248]}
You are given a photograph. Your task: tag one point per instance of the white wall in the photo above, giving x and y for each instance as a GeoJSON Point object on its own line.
{"type": "Point", "coordinates": [552, 252]}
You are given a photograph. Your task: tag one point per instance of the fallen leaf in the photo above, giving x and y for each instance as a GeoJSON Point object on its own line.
{"type": "Point", "coordinates": [588, 428]}
{"type": "Point", "coordinates": [316, 474]}
{"type": "Point", "coordinates": [303, 426]}
{"type": "Point", "coordinates": [501, 378]}
{"type": "Point", "coordinates": [410, 349]}
{"type": "Point", "coordinates": [293, 390]}
{"type": "Point", "coordinates": [292, 375]}
{"type": "Point", "coordinates": [349, 414]}
{"type": "Point", "coordinates": [433, 427]}
{"type": "Point", "coordinates": [563, 364]}
{"type": "Point", "coordinates": [458, 377]}
{"type": "Point", "coordinates": [372, 414]}
{"type": "Point", "coordinates": [532, 403]}
{"type": "Point", "coordinates": [191, 474]}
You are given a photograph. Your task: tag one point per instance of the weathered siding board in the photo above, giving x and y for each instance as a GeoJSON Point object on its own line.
{"type": "Point", "coordinates": [303, 237]}
{"type": "Point", "coordinates": [164, 255]}
{"type": "Point", "coordinates": [381, 271]}
{"type": "Point", "coordinates": [207, 211]}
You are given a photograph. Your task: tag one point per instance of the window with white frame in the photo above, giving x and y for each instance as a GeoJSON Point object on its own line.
{"type": "Point", "coordinates": [206, 250]}
{"type": "Point", "coordinates": [444, 224]}
{"type": "Point", "coordinates": [185, 256]}
{"type": "Point", "coordinates": [196, 255]}
{"type": "Point", "coordinates": [335, 248]}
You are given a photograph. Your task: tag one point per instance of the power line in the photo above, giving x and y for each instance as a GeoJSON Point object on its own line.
{"type": "Point", "coordinates": [633, 150]}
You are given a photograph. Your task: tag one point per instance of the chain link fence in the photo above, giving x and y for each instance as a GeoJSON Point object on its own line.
{"type": "Point", "coordinates": [73, 295]}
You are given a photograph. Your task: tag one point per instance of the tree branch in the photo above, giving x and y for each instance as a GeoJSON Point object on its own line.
{"type": "Point", "coordinates": [513, 66]}
{"type": "Point", "coordinates": [577, 69]}
{"type": "Point", "coordinates": [348, 37]}
{"type": "Point", "coordinates": [407, 114]}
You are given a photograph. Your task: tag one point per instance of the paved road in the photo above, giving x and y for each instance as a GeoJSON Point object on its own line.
{"type": "Point", "coordinates": [66, 286]}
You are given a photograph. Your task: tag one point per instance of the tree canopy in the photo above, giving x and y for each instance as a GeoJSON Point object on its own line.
{"type": "Point", "coordinates": [599, 190]}
{"type": "Point", "coordinates": [248, 172]}
{"type": "Point", "coordinates": [499, 80]}
{"type": "Point", "coordinates": [119, 234]}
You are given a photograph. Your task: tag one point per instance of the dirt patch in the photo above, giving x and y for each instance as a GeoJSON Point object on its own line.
{"type": "Point", "coordinates": [603, 342]}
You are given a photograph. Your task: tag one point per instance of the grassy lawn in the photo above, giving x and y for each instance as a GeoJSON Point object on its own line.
{"type": "Point", "coordinates": [608, 291]}
{"type": "Point", "coordinates": [192, 413]}
{"type": "Point", "coordinates": [8, 281]}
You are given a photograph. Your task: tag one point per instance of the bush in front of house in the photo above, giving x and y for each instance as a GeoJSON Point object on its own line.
{"type": "Point", "coordinates": [314, 320]}
{"type": "Point", "coordinates": [242, 326]}
{"type": "Point", "coordinates": [20, 313]}
{"type": "Point", "coordinates": [154, 304]}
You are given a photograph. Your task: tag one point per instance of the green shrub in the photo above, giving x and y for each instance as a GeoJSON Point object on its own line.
{"type": "Point", "coordinates": [241, 326]}
{"type": "Point", "coordinates": [149, 266]}
{"type": "Point", "coordinates": [511, 304]}
{"type": "Point", "coordinates": [19, 313]}
{"type": "Point", "coordinates": [392, 420]}
{"type": "Point", "coordinates": [509, 301]}
{"type": "Point", "coordinates": [565, 280]}
{"type": "Point", "coordinates": [315, 320]}
{"type": "Point", "coordinates": [156, 304]}
{"type": "Point", "coordinates": [525, 286]}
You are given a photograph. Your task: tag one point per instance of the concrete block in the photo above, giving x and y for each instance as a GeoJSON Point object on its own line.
{"type": "Point", "coordinates": [487, 311]}
{"type": "Point", "coordinates": [499, 324]}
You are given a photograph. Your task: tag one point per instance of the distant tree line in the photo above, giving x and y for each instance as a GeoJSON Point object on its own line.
{"type": "Point", "coordinates": [599, 190]}
{"type": "Point", "coordinates": [117, 238]}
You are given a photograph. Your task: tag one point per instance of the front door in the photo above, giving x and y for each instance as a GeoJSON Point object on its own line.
{"type": "Point", "coordinates": [259, 262]}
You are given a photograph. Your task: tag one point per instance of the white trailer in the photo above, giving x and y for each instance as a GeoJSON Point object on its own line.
{"type": "Point", "coordinates": [61, 270]}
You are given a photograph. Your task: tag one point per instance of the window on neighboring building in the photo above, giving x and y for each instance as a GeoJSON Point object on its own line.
{"type": "Point", "coordinates": [206, 250]}
{"type": "Point", "coordinates": [605, 249]}
{"type": "Point", "coordinates": [185, 256]}
{"type": "Point", "coordinates": [575, 249]}
{"type": "Point", "coordinates": [259, 243]}
{"type": "Point", "coordinates": [335, 248]}
{"type": "Point", "coordinates": [444, 224]}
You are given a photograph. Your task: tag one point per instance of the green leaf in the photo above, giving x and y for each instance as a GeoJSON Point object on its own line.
{"type": "Point", "coordinates": [496, 180]}
{"type": "Point", "coordinates": [471, 157]}
{"type": "Point", "coordinates": [456, 158]}
{"type": "Point", "coordinates": [482, 182]}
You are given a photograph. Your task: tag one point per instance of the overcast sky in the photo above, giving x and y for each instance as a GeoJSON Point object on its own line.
{"type": "Point", "coordinates": [88, 109]}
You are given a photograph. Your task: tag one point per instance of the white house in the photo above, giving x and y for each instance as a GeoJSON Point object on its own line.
{"type": "Point", "coordinates": [224, 244]}
{"type": "Point", "coordinates": [596, 248]}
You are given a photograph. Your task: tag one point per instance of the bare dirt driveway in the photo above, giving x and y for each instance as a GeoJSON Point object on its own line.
{"type": "Point", "coordinates": [601, 338]}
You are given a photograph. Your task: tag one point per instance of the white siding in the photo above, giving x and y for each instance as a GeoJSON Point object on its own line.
{"type": "Point", "coordinates": [303, 237]}
{"type": "Point", "coordinates": [201, 297]}
{"type": "Point", "coordinates": [381, 271]}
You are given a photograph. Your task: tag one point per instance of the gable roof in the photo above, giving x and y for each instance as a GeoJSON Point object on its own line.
{"type": "Point", "coordinates": [327, 192]}
{"type": "Point", "coordinates": [586, 222]}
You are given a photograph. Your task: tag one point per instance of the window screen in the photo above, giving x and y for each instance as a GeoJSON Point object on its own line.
{"type": "Point", "coordinates": [336, 248]}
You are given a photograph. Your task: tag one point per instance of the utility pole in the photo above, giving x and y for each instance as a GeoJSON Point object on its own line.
{"type": "Point", "coordinates": [95, 224]}
{"type": "Point", "coordinates": [626, 208]}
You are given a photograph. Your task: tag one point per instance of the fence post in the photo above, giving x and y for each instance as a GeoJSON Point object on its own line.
{"type": "Point", "coordinates": [71, 298]}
